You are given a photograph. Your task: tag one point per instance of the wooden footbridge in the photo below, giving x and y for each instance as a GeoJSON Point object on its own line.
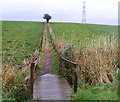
{"type": "Point", "coordinates": [49, 86]}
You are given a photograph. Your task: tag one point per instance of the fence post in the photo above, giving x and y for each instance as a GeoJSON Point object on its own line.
{"type": "Point", "coordinates": [61, 65]}
{"type": "Point", "coordinates": [41, 43]}
{"type": "Point", "coordinates": [76, 79]}
{"type": "Point", "coordinates": [31, 80]}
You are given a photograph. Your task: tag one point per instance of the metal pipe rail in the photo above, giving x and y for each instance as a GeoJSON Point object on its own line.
{"type": "Point", "coordinates": [72, 64]}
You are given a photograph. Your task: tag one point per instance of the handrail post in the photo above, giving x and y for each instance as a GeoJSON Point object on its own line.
{"type": "Point", "coordinates": [76, 79]}
{"type": "Point", "coordinates": [41, 42]}
{"type": "Point", "coordinates": [61, 65]}
{"type": "Point", "coordinates": [31, 80]}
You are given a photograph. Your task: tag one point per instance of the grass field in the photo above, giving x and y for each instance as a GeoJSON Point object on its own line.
{"type": "Point", "coordinates": [19, 40]}
{"type": "Point", "coordinates": [82, 34]}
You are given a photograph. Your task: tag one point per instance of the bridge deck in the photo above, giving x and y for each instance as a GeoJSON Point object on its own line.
{"type": "Point", "coordinates": [51, 87]}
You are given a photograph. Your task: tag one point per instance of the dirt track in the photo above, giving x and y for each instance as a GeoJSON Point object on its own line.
{"type": "Point", "coordinates": [48, 59]}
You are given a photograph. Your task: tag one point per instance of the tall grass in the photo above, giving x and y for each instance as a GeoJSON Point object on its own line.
{"type": "Point", "coordinates": [97, 62]}
{"type": "Point", "coordinates": [14, 85]}
{"type": "Point", "coordinates": [93, 47]}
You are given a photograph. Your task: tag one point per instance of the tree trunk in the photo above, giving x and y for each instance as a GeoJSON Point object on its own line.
{"type": "Point", "coordinates": [47, 20]}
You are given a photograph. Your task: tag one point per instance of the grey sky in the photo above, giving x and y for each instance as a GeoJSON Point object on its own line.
{"type": "Point", "coordinates": [97, 11]}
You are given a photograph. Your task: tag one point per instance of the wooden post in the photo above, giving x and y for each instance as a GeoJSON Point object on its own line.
{"type": "Point", "coordinates": [76, 79]}
{"type": "Point", "coordinates": [41, 42]}
{"type": "Point", "coordinates": [31, 80]}
{"type": "Point", "coordinates": [61, 66]}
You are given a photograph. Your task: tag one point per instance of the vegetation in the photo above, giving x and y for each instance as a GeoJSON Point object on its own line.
{"type": "Point", "coordinates": [42, 53]}
{"type": "Point", "coordinates": [81, 35]}
{"type": "Point", "coordinates": [102, 92]}
{"type": "Point", "coordinates": [20, 40]}
{"type": "Point", "coordinates": [47, 17]}
{"type": "Point", "coordinates": [95, 49]}
{"type": "Point", "coordinates": [55, 60]}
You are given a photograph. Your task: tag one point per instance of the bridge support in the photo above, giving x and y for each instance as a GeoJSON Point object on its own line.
{"type": "Point", "coordinates": [31, 80]}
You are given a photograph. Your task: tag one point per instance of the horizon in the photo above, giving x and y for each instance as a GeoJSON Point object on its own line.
{"type": "Point", "coordinates": [97, 12]}
{"type": "Point", "coordinates": [59, 22]}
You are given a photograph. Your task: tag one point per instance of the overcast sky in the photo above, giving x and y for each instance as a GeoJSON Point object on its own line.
{"type": "Point", "coordinates": [97, 11]}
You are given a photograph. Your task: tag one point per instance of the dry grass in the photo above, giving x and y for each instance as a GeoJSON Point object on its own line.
{"type": "Point", "coordinates": [97, 61]}
{"type": "Point", "coordinates": [61, 44]}
{"type": "Point", "coordinates": [15, 76]}
{"type": "Point", "coordinates": [11, 73]}
{"type": "Point", "coordinates": [14, 87]}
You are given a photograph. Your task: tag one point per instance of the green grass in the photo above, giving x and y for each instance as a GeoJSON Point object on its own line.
{"type": "Point", "coordinates": [55, 63]}
{"type": "Point", "coordinates": [98, 92]}
{"type": "Point", "coordinates": [55, 60]}
{"type": "Point", "coordinates": [19, 40]}
{"type": "Point", "coordinates": [82, 34]}
{"type": "Point", "coordinates": [42, 53]}
{"type": "Point", "coordinates": [102, 92]}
